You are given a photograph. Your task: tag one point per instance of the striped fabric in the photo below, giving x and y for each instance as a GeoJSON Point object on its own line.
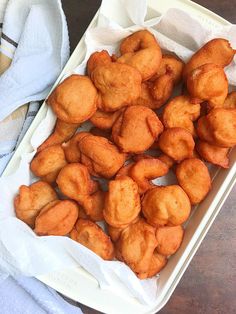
{"type": "Point", "coordinates": [14, 126]}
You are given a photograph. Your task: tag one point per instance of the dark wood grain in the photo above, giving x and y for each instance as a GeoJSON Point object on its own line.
{"type": "Point", "coordinates": [209, 284]}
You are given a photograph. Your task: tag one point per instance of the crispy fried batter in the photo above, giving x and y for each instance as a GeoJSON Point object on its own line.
{"type": "Point", "coordinates": [158, 262]}
{"type": "Point", "coordinates": [208, 83]}
{"type": "Point", "coordinates": [75, 99]}
{"type": "Point", "coordinates": [71, 148]}
{"type": "Point", "coordinates": [63, 132]}
{"type": "Point", "coordinates": [125, 170]}
{"type": "Point", "coordinates": [217, 51]}
{"type": "Point", "coordinates": [31, 199]}
{"type": "Point", "coordinates": [174, 64]}
{"type": "Point", "coordinates": [169, 239]}
{"type": "Point", "coordinates": [119, 85]}
{"type": "Point", "coordinates": [142, 51]}
{"type": "Point", "coordinates": [213, 154]}
{"type": "Point", "coordinates": [177, 143]}
{"type": "Point", "coordinates": [136, 129]}
{"type": "Point", "coordinates": [94, 205]}
{"type": "Point", "coordinates": [56, 218]}
{"type": "Point", "coordinates": [193, 176]}
{"type": "Point", "coordinates": [136, 245]}
{"type": "Point", "coordinates": [101, 156]}
{"type": "Point", "coordinates": [96, 59]}
{"type": "Point", "coordinates": [180, 112]}
{"type": "Point", "coordinates": [47, 163]}
{"type": "Point", "coordinates": [92, 236]}
{"type": "Point", "coordinates": [74, 182]}
{"type": "Point", "coordinates": [166, 205]}
{"type": "Point", "coordinates": [122, 202]}
{"type": "Point", "coordinates": [105, 120]}
{"type": "Point", "coordinates": [145, 170]}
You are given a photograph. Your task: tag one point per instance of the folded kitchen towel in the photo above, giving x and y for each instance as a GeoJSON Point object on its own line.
{"type": "Point", "coordinates": [22, 295]}
{"type": "Point", "coordinates": [34, 49]}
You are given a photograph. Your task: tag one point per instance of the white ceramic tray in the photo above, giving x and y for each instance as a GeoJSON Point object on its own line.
{"type": "Point", "coordinates": [80, 286]}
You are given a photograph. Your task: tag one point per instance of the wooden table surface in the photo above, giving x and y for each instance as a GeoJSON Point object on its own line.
{"type": "Point", "coordinates": [209, 284]}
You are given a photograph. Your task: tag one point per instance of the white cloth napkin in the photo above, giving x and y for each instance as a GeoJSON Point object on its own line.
{"type": "Point", "coordinates": [24, 295]}
{"type": "Point", "coordinates": [34, 49]}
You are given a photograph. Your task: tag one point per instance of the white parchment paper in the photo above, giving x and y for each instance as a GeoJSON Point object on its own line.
{"type": "Point", "coordinates": [21, 251]}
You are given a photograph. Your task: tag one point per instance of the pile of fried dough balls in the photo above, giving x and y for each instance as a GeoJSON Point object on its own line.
{"type": "Point", "coordinates": [119, 96]}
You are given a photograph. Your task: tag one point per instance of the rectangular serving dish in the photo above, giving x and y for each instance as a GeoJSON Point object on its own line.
{"type": "Point", "coordinates": [78, 284]}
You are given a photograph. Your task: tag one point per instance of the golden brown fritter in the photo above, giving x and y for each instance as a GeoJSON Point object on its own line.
{"type": "Point", "coordinates": [56, 218]}
{"type": "Point", "coordinates": [158, 262]}
{"type": "Point", "coordinates": [180, 112]}
{"type": "Point", "coordinates": [216, 155]}
{"type": "Point", "coordinates": [177, 143]}
{"type": "Point", "coordinates": [74, 182]}
{"type": "Point", "coordinates": [118, 85]}
{"type": "Point", "coordinates": [75, 99]}
{"type": "Point", "coordinates": [169, 239]}
{"type": "Point", "coordinates": [122, 202]}
{"type": "Point", "coordinates": [47, 163]}
{"type": "Point", "coordinates": [63, 132]}
{"type": "Point", "coordinates": [136, 129]}
{"type": "Point", "coordinates": [101, 156]}
{"type": "Point", "coordinates": [145, 170]}
{"type": "Point", "coordinates": [96, 59]}
{"type": "Point", "coordinates": [193, 176]}
{"type": "Point", "coordinates": [105, 120]}
{"type": "Point", "coordinates": [208, 83]}
{"type": "Point", "coordinates": [217, 51]}
{"type": "Point", "coordinates": [71, 148]}
{"type": "Point", "coordinates": [94, 205]}
{"type": "Point", "coordinates": [31, 199]}
{"type": "Point", "coordinates": [92, 236]}
{"type": "Point", "coordinates": [166, 205]}
{"type": "Point", "coordinates": [141, 51]}
{"type": "Point", "coordinates": [136, 245]}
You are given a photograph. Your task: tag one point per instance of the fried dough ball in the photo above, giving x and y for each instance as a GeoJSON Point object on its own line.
{"type": "Point", "coordinates": [75, 99]}
{"type": "Point", "coordinates": [115, 233]}
{"type": "Point", "coordinates": [193, 176]}
{"type": "Point", "coordinates": [155, 94]}
{"type": "Point", "coordinates": [31, 199]}
{"type": "Point", "coordinates": [92, 236]}
{"type": "Point", "coordinates": [169, 239]}
{"type": "Point", "coordinates": [166, 205]}
{"type": "Point", "coordinates": [217, 51]}
{"type": "Point", "coordinates": [105, 120]}
{"type": "Point", "coordinates": [101, 156]}
{"type": "Point", "coordinates": [136, 129]}
{"type": "Point", "coordinates": [174, 64]}
{"type": "Point", "coordinates": [158, 262]}
{"type": "Point", "coordinates": [142, 51]}
{"type": "Point", "coordinates": [74, 182]}
{"type": "Point", "coordinates": [63, 132]}
{"type": "Point", "coordinates": [180, 112]}
{"type": "Point", "coordinates": [56, 218]}
{"type": "Point", "coordinates": [136, 245]}
{"type": "Point", "coordinates": [98, 58]}
{"type": "Point", "coordinates": [203, 130]}
{"type": "Point", "coordinates": [177, 143]}
{"type": "Point", "coordinates": [230, 101]}
{"type": "Point", "coordinates": [122, 202]}
{"type": "Point", "coordinates": [208, 83]}
{"type": "Point", "coordinates": [118, 84]}
{"type": "Point", "coordinates": [213, 154]}
{"type": "Point", "coordinates": [94, 205]}
{"type": "Point", "coordinates": [222, 123]}
{"type": "Point", "coordinates": [218, 127]}
{"type": "Point", "coordinates": [145, 170]}
{"type": "Point", "coordinates": [71, 148]}
{"type": "Point", "coordinates": [47, 163]}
